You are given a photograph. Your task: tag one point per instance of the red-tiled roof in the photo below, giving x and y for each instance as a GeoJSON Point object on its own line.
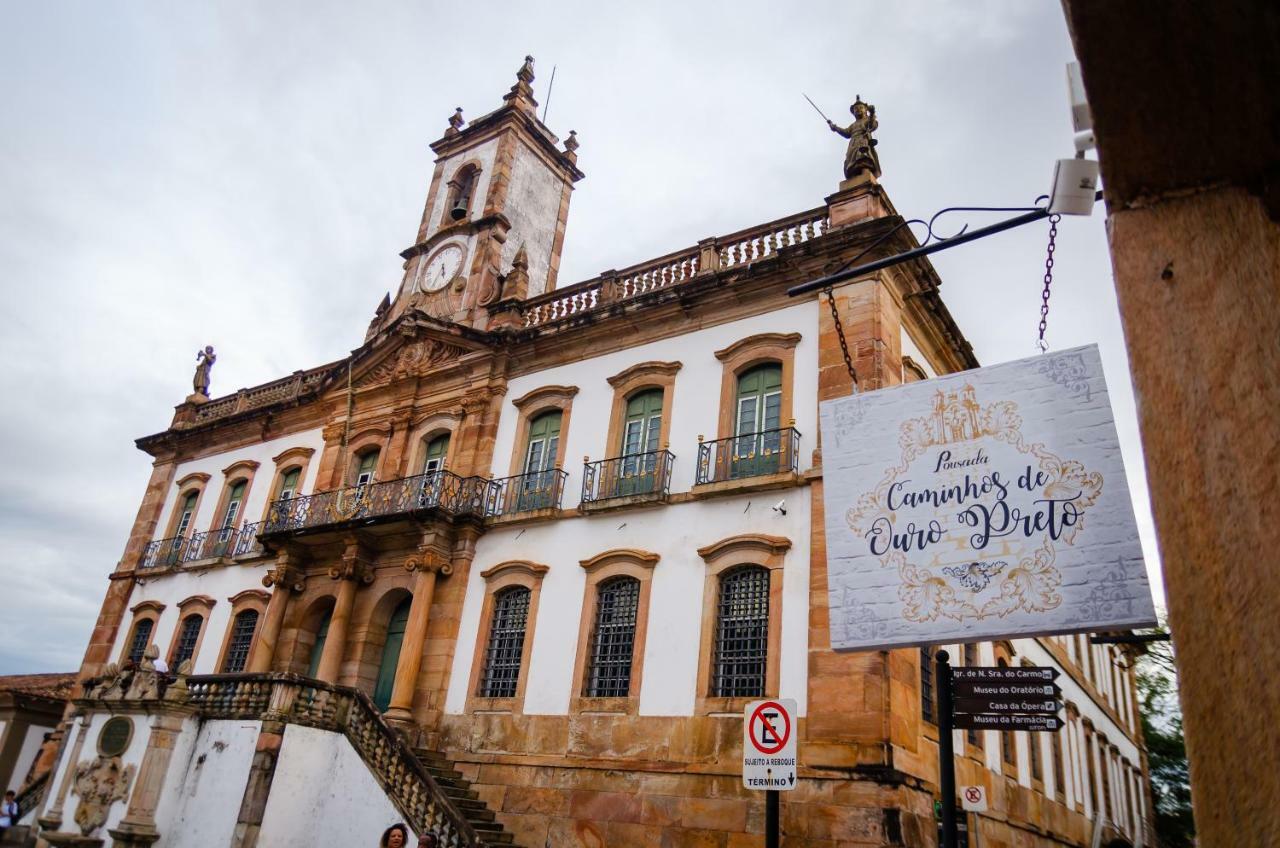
{"type": "Point", "coordinates": [57, 686]}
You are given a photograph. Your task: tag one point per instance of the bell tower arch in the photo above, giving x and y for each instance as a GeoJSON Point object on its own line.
{"type": "Point", "coordinates": [494, 220]}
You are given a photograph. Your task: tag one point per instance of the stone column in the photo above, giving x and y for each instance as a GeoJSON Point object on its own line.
{"type": "Point", "coordinates": [354, 570]}
{"type": "Point", "coordinates": [138, 827]}
{"type": "Point", "coordinates": [427, 565]}
{"type": "Point", "coordinates": [285, 579]}
{"type": "Point", "coordinates": [52, 818]}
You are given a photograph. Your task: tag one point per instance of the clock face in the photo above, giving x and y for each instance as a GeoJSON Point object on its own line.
{"type": "Point", "coordinates": [441, 268]}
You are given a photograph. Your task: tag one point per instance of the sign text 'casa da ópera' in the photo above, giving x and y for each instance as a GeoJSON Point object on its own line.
{"type": "Point", "coordinates": [981, 505]}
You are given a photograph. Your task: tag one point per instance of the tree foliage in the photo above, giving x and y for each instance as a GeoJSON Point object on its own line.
{"type": "Point", "coordinates": [1166, 747]}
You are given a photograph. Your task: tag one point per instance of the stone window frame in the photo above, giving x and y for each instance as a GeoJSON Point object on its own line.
{"type": "Point", "coordinates": [247, 599]}
{"type": "Point", "coordinates": [744, 549]}
{"type": "Point", "coordinates": [427, 429]}
{"type": "Point", "coordinates": [452, 185]}
{"type": "Point", "coordinates": [197, 481]}
{"type": "Point", "coordinates": [286, 461]}
{"type": "Point", "coordinates": [360, 444]}
{"type": "Point", "coordinates": [618, 562]}
{"type": "Point", "coordinates": [629, 382]}
{"type": "Point", "coordinates": [240, 470]}
{"type": "Point", "coordinates": [742, 356]}
{"type": "Point", "coordinates": [498, 577]}
{"type": "Point", "coordinates": [529, 406]}
{"type": "Point", "coordinates": [1075, 757]}
{"type": "Point", "coordinates": [142, 611]}
{"type": "Point", "coordinates": [201, 605]}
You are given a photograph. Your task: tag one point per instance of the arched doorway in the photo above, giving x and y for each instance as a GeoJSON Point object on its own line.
{"type": "Point", "coordinates": [391, 656]}
{"type": "Point", "coordinates": [317, 649]}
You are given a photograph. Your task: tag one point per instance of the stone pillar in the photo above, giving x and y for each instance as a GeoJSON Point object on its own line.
{"type": "Point", "coordinates": [138, 827]}
{"type": "Point", "coordinates": [859, 199]}
{"type": "Point", "coordinates": [354, 570]}
{"type": "Point", "coordinates": [52, 818]}
{"type": "Point", "coordinates": [262, 771]}
{"type": "Point", "coordinates": [283, 580]}
{"type": "Point", "coordinates": [427, 565]}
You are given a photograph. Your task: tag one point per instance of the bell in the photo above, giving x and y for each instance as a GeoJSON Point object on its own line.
{"type": "Point", "coordinates": [459, 210]}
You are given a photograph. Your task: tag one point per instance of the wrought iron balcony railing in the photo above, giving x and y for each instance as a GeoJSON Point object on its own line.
{"type": "Point", "coordinates": [210, 544]}
{"type": "Point", "coordinates": [527, 492]}
{"type": "Point", "coordinates": [164, 553]}
{"type": "Point", "coordinates": [750, 455]}
{"type": "Point", "coordinates": [634, 475]}
{"type": "Point", "coordinates": [435, 490]}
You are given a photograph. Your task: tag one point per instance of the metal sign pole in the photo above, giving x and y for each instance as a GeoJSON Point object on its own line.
{"type": "Point", "coordinates": [772, 802]}
{"type": "Point", "coordinates": [946, 753]}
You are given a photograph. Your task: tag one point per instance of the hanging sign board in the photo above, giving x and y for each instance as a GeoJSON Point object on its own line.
{"type": "Point", "coordinates": [982, 505]}
{"type": "Point", "coordinates": [769, 744]}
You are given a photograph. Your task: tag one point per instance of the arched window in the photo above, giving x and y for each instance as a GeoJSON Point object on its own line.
{"type": "Point", "coordinates": [613, 638]}
{"type": "Point", "coordinates": [242, 629]}
{"type": "Point", "coordinates": [391, 656]}
{"type": "Point", "coordinates": [926, 686]}
{"type": "Point", "coordinates": [188, 638]}
{"type": "Point", "coordinates": [235, 500]}
{"type": "Point", "coordinates": [742, 633]}
{"type": "Point", "coordinates": [187, 513]}
{"type": "Point", "coordinates": [366, 465]}
{"type": "Point", "coordinates": [289, 481]}
{"type": "Point", "coordinates": [641, 432]}
{"type": "Point", "coordinates": [141, 639]}
{"type": "Point", "coordinates": [317, 648]}
{"type": "Point", "coordinates": [505, 650]}
{"type": "Point", "coordinates": [758, 421]}
{"type": "Point", "coordinates": [543, 445]}
{"type": "Point", "coordinates": [434, 456]}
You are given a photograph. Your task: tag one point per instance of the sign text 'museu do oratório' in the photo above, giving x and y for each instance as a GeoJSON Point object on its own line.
{"type": "Point", "coordinates": [980, 505]}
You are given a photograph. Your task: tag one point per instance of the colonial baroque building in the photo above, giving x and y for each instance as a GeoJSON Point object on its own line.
{"type": "Point", "coordinates": [512, 568]}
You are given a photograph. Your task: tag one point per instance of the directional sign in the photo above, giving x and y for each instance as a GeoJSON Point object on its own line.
{"type": "Point", "coordinates": [1004, 704]}
{"type": "Point", "coordinates": [769, 744]}
{"type": "Point", "coordinates": [973, 799]}
{"type": "Point", "coordinates": [965, 721]}
{"type": "Point", "coordinates": [1005, 674]}
{"type": "Point", "coordinates": [996, 689]}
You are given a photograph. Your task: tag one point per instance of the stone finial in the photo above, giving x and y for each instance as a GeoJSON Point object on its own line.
{"type": "Point", "coordinates": [455, 122]}
{"type": "Point", "coordinates": [571, 145]}
{"type": "Point", "coordinates": [521, 94]}
{"type": "Point", "coordinates": [516, 283]}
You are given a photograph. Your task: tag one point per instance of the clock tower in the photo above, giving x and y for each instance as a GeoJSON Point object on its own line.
{"type": "Point", "coordinates": [495, 214]}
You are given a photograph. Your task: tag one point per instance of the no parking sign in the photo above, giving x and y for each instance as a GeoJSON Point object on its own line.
{"type": "Point", "coordinates": [769, 744]}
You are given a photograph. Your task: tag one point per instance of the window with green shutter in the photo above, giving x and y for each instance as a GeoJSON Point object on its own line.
{"type": "Point", "coordinates": [289, 483]}
{"type": "Point", "coordinates": [188, 512]}
{"type": "Point", "coordinates": [537, 487]}
{"type": "Point", "coordinates": [757, 422]}
{"type": "Point", "coordinates": [437, 448]}
{"type": "Point", "coordinates": [364, 470]}
{"type": "Point", "coordinates": [641, 432]}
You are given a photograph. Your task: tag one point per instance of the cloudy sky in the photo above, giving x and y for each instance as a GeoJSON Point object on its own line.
{"type": "Point", "coordinates": [244, 175]}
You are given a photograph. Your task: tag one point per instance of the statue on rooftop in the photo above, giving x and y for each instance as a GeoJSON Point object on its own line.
{"type": "Point", "coordinates": [204, 364]}
{"type": "Point", "coordinates": [860, 157]}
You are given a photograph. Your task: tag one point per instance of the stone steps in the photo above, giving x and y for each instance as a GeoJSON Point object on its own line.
{"type": "Point", "coordinates": [459, 790]}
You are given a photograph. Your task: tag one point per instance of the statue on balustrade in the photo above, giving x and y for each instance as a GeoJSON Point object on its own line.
{"type": "Point", "coordinates": [860, 157]}
{"type": "Point", "coordinates": [204, 364]}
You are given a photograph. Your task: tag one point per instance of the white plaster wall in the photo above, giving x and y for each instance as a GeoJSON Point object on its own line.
{"type": "Point", "coordinates": [131, 757]}
{"type": "Point", "coordinates": [219, 582]}
{"type": "Point", "coordinates": [674, 533]}
{"type": "Point", "coordinates": [206, 782]}
{"type": "Point", "coordinates": [27, 755]}
{"type": "Point", "coordinates": [323, 794]}
{"type": "Point", "coordinates": [259, 493]}
{"type": "Point", "coordinates": [911, 349]}
{"type": "Point", "coordinates": [533, 206]}
{"type": "Point", "coordinates": [694, 408]}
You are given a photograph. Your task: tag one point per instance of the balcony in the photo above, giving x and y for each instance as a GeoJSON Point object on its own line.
{"type": "Point", "coordinates": [211, 544]}
{"type": "Point", "coordinates": [755, 455]}
{"type": "Point", "coordinates": [527, 493]}
{"type": "Point", "coordinates": [627, 479]}
{"type": "Point", "coordinates": [441, 492]}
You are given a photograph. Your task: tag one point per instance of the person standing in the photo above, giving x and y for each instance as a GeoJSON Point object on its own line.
{"type": "Point", "coordinates": [8, 812]}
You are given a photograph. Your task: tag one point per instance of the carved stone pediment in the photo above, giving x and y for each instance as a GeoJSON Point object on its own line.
{"type": "Point", "coordinates": [99, 783]}
{"type": "Point", "coordinates": [412, 359]}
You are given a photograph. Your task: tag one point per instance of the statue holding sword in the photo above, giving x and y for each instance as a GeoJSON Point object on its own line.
{"type": "Point", "coordinates": [860, 156]}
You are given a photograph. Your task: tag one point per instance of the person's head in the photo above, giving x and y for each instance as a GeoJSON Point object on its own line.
{"type": "Point", "coordinates": [10, 795]}
{"type": "Point", "coordinates": [396, 836]}
{"type": "Point", "coordinates": [428, 840]}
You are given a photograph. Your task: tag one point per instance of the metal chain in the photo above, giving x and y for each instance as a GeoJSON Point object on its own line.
{"type": "Point", "coordinates": [844, 344]}
{"type": "Point", "coordinates": [1048, 281]}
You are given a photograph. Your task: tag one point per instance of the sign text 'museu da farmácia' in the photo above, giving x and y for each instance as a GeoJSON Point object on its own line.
{"type": "Point", "coordinates": [981, 505]}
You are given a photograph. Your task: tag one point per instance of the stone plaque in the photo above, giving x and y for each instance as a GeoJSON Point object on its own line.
{"type": "Point", "coordinates": [978, 506]}
{"type": "Point", "coordinates": [113, 739]}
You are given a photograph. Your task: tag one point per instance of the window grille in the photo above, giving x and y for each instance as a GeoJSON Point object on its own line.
{"type": "Point", "coordinates": [187, 639]}
{"type": "Point", "coordinates": [141, 639]}
{"type": "Point", "coordinates": [241, 638]}
{"type": "Point", "coordinates": [506, 643]}
{"type": "Point", "coordinates": [613, 638]}
{"type": "Point", "coordinates": [926, 686]}
{"type": "Point", "coordinates": [742, 634]}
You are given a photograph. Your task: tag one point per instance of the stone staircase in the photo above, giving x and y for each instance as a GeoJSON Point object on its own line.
{"type": "Point", "coordinates": [466, 799]}
{"type": "Point", "coordinates": [18, 835]}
